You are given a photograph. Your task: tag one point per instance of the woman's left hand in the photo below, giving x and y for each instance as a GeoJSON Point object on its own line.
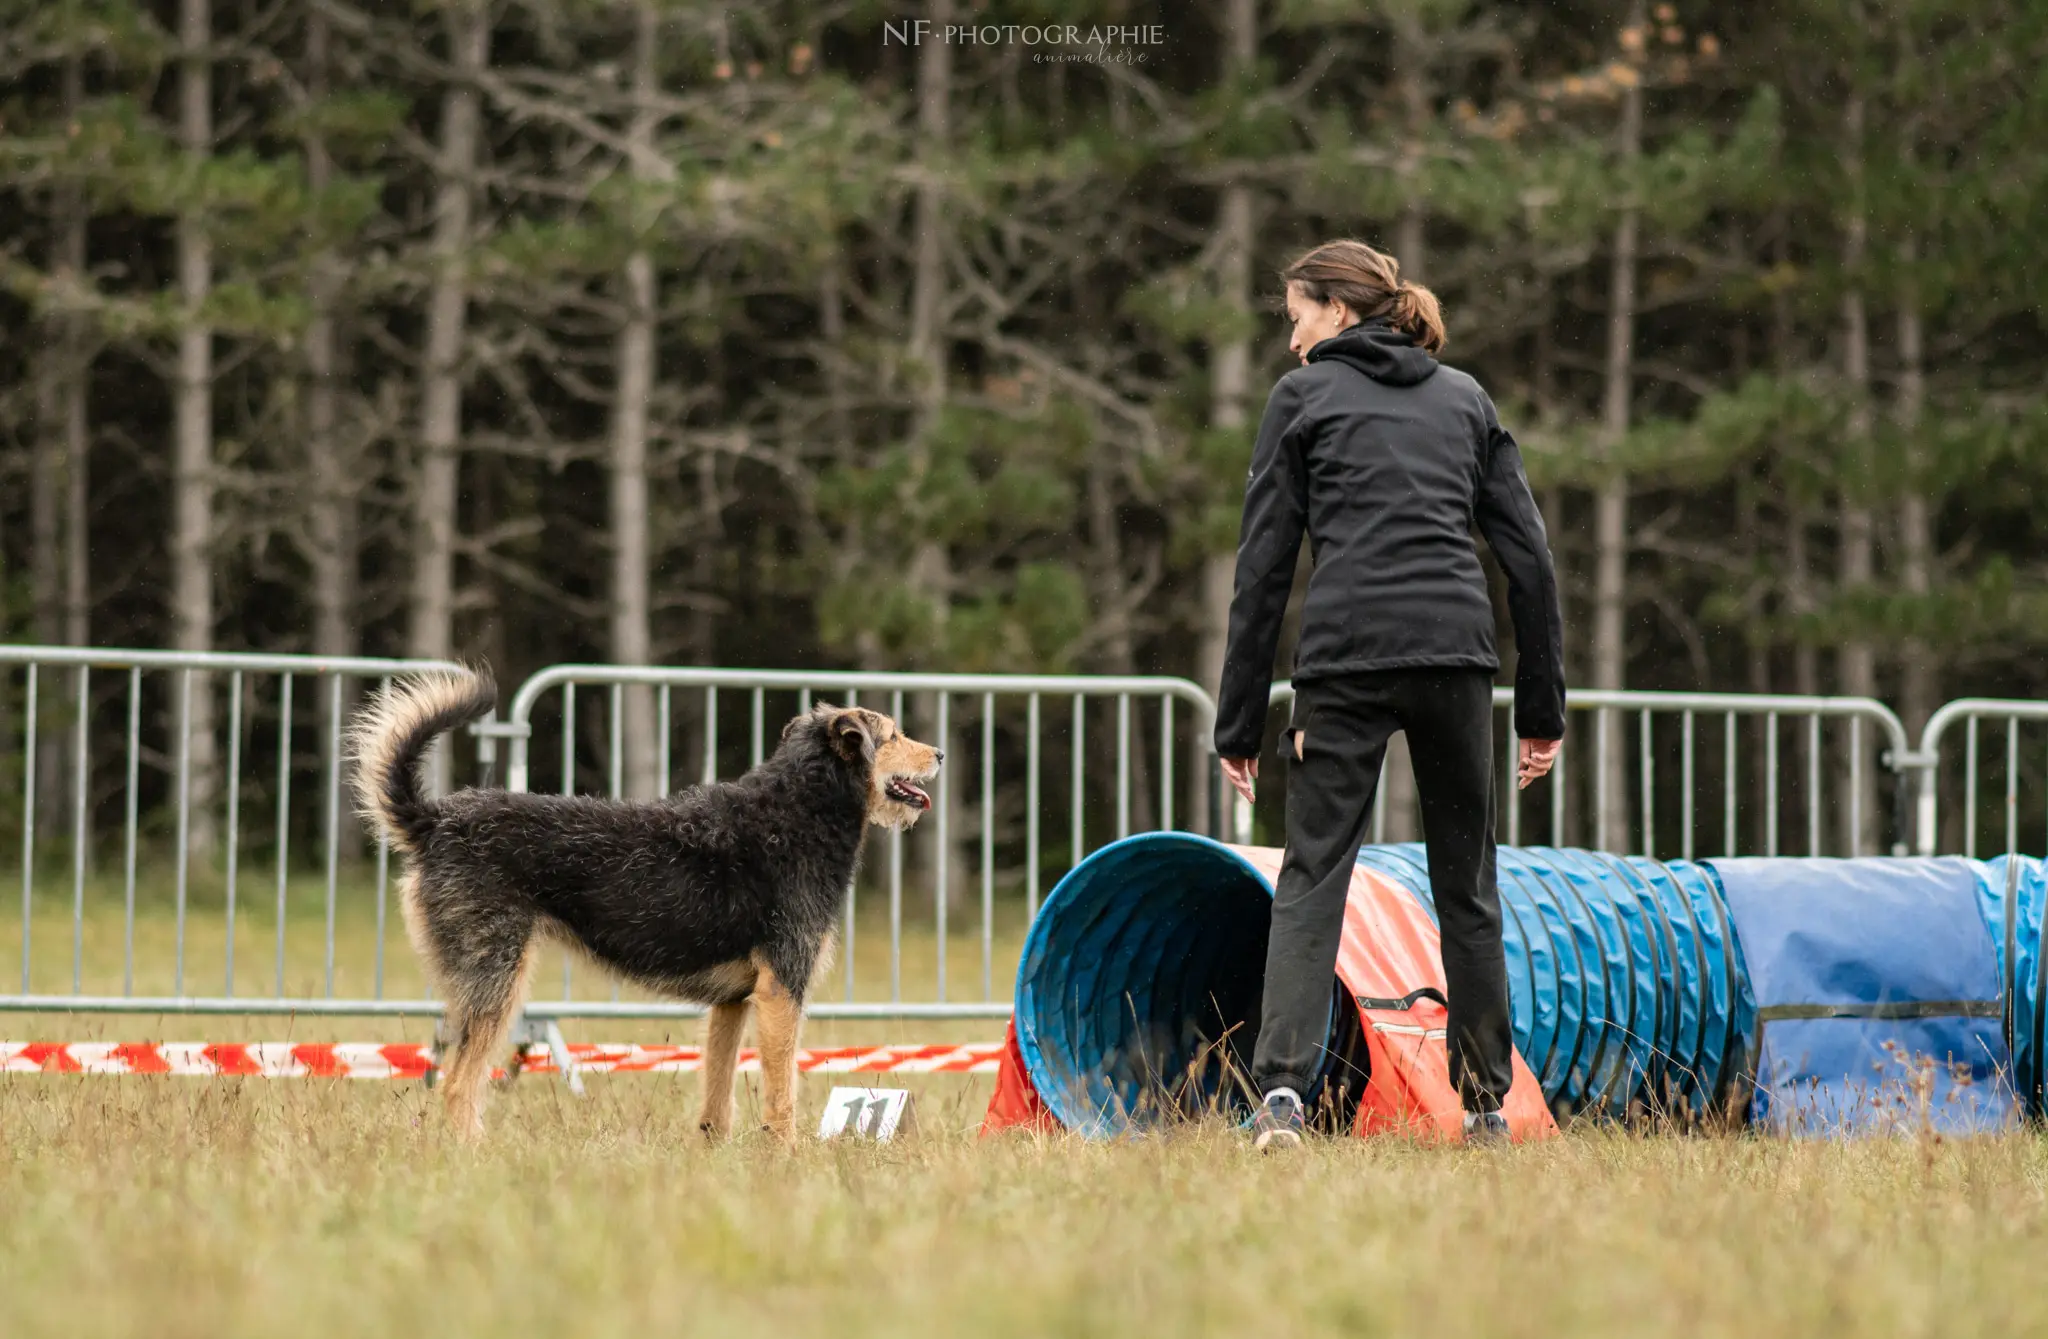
{"type": "Point", "coordinates": [1536, 758]}
{"type": "Point", "coordinates": [1242, 773]}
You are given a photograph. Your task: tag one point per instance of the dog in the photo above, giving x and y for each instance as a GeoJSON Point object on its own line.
{"type": "Point", "coordinates": [723, 895]}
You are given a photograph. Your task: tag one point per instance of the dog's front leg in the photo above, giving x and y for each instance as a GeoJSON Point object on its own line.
{"type": "Point", "coordinates": [721, 1053]}
{"type": "Point", "coordinates": [781, 1016]}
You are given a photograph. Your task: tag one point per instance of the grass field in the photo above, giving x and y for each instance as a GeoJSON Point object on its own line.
{"type": "Point", "coordinates": [167, 1208]}
{"type": "Point", "coordinates": [186, 1207]}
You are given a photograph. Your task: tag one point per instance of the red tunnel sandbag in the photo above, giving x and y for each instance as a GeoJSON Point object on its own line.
{"type": "Point", "coordinates": [1015, 1102]}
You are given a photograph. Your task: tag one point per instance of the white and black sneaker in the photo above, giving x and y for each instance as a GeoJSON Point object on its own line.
{"type": "Point", "coordinates": [1487, 1127]}
{"type": "Point", "coordinates": [1279, 1123]}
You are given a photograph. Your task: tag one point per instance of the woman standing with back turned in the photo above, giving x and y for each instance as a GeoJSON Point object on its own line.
{"type": "Point", "coordinates": [1385, 459]}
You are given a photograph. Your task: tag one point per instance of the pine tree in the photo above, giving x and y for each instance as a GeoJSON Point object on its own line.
{"type": "Point", "coordinates": [437, 477]}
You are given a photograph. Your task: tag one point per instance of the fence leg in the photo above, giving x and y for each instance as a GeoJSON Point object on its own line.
{"type": "Point", "coordinates": [558, 1045]}
{"type": "Point", "coordinates": [524, 1032]}
{"type": "Point", "coordinates": [544, 1032]}
{"type": "Point", "coordinates": [1909, 783]}
{"type": "Point", "coordinates": [1915, 799]}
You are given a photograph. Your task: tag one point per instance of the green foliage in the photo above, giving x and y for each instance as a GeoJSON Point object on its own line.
{"type": "Point", "coordinates": [1175, 307]}
{"type": "Point", "coordinates": [1056, 505]}
{"type": "Point", "coordinates": [995, 491]}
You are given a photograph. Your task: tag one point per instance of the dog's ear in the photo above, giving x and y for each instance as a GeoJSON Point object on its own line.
{"type": "Point", "coordinates": [851, 737]}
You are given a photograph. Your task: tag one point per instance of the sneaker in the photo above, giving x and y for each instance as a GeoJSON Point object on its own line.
{"type": "Point", "coordinates": [1279, 1123]}
{"type": "Point", "coordinates": [1486, 1127]}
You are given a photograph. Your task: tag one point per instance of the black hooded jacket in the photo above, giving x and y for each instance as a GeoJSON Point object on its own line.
{"type": "Point", "coordinates": [1386, 459]}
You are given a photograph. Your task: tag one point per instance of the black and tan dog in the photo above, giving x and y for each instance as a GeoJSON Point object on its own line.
{"type": "Point", "coordinates": [723, 894]}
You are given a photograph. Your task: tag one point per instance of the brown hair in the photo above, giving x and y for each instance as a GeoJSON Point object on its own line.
{"type": "Point", "coordinates": [1370, 283]}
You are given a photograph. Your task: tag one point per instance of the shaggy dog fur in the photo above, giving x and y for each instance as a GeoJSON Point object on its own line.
{"type": "Point", "coordinates": [724, 894]}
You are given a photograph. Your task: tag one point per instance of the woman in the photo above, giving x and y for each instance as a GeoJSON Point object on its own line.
{"type": "Point", "coordinates": [1386, 459]}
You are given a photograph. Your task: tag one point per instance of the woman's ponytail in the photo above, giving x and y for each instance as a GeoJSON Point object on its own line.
{"type": "Point", "coordinates": [1416, 312]}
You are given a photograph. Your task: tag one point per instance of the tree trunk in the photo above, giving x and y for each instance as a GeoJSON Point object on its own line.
{"type": "Point", "coordinates": [45, 565]}
{"type": "Point", "coordinates": [930, 572]}
{"type": "Point", "coordinates": [46, 485]}
{"type": "Point", "coordinates": [1554, 518]}
{"type": "Point", "coordinates": [1800, 596]}
{"type": "Point", "coordinates": [1411, 73]}
{"type": "Point", "coordinates": [632, 559]}
{"type": "Point", "coordinates": [1749, 524]}
{"type": "Point", "coordinates": [1920, 691]}
{"type": "Point", "coordinates": [432, 634]}
{"type": "Point", "coordinates": [330, 521]}
{"type": "Point", "coordinates": [77, 462]}
{"type": "Point", "coordinates": [77, 604]}
{"type": "Point", "coordinates": [867, 645]}
{"type": "Point", "coordinates": [330, 466]}
{"type": "Point", "coordinates": [193, 483]}
{"type": "Point", "coordinates": [927, 352]}
{"type": "Point", "coordinates": [1610, 518]}
{"type": "Point", "coordinates": [832, 329]}
{"type": "Point", "coordinates": [1230, 383]}
{"type": "Point", "coordinates": [1798, 581]}
{"type": "Point", "coordinates": [1549, 412]}
{"type": "Point", "coordinates": [1120, 654]}
{"type": "Point", "coordinates": [1857, 657]}
{"type": "Point", "coordinates": [710, 536]}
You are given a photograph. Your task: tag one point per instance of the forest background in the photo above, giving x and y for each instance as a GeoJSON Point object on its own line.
{"type": "Point", "coordinates": [799, 334]}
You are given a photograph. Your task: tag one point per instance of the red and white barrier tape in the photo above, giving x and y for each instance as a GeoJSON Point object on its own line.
{"type": "Point", "coordinates": [409, 1060]}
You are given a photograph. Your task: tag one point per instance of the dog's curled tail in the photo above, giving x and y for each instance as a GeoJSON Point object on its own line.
{"type": "Point", "coordinates": [389, 740]}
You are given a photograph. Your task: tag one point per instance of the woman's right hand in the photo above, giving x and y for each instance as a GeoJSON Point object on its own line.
{"type": "Point", "coordinates": [1242, 773]}
{"type": "Point", "coordinates": [1537, 757]}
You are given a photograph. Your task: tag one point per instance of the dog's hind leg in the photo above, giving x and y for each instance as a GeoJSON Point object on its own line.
{"type": "Point", "coordinates": [781, 1016]}
{"type": "Point", "coordinates": [721, 1054]}
{"type": "Point", "coordinates": [489, 989]}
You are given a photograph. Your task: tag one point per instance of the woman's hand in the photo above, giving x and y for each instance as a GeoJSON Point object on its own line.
{"type": "Point", "coordinates": [1536, 758]}
{"type": "Point", "coordinates": [1242, 773]}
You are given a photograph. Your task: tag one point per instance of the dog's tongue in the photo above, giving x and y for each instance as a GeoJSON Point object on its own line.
{"type": "Point", "coordinates": [912, 794]}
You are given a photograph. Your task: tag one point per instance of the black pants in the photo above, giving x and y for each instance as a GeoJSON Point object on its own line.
{"type": "Point", "coordinates": [1342, 727]}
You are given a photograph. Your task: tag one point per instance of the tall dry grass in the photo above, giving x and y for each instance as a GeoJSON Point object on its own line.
{"type": "Point", "coordinates": [163, 1208]}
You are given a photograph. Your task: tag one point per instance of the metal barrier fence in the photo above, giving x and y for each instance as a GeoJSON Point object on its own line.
{"type": "Point", "coordinates": [1651, 792]}
{"type": "Point", "coordinates": [223, 807]}
{"type": "Point", "coordinates": [1017, 777]}
{"type": "Point", "coordinates": [201, 800]}
{"type": "Point", "coordinates": [2009, 770]}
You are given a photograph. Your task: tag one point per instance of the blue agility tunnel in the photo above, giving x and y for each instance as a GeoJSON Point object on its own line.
{"type": "Point", "coordinates": [1624, 973]}
{"type": "Point", "coordinates": [1777, 986]}
{"type": "Point", "coordinates": [1626, 982]}
{"type": "Point", "coordinates": [1139, 979]}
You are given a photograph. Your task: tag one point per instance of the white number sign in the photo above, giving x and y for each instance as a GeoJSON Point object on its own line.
{"type": "Point", "coordinates": [866, 1113]}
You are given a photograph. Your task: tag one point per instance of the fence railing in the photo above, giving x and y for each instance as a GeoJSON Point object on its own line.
{"type": "Point", "coordinates": [1676, 761]}
{"type": "Point", "coordinates": [2007, 769]}
{"type": "Point", "coordinates": [187, 846]}
{"type": "Point", "coordinates": [240, 757]}
{"type": "Point", "coordinates": [1016, 800]}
